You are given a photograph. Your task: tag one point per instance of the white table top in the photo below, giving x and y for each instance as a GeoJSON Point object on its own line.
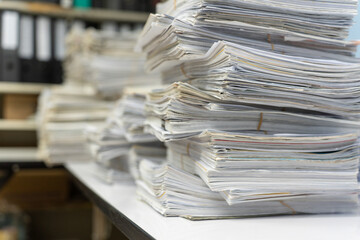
{"type": "Point", "coordinates": [122, 196]}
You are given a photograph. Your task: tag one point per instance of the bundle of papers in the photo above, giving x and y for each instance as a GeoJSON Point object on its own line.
{"type": "Point", "coordinates": [109, 149]}
{"type": "Point", "coordinates": [63, 116]}
{"type": "Point", "coordinates": [106, 61]}
{"type": "Point", "coordinates": [246, 75]}
{"type": "Point", "coordinates": [107, 144]}
{"type": "Point", "coordinates": [182, 110]}
{"type": "Point", "coordinates": [111, 145]}
{"type": "Point", "coordinates": [151, 152]}
{"type": "Point", "coordinates": [180, 41]}
{"type": "Point", "coordinates": [330, 19]}
{"type": "Point", "coordinates": [175, 192]}
{"type": "Point", "coordinates": [130, 115]}
{"type": "Point", "coordinates": [257, 166]}
{"type": "Point", "coordinates": [261, 116]}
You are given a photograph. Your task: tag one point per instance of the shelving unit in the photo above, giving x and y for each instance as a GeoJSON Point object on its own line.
{"type": "Point", "coordinates": [17, 125]}
{"type": "Point", "coordinates": [139, 221]}
{"type": "Point", "coordinates": [14, 128]}
{"type": "Point", "coordinates": [53, 10]}
{"type": "Point", "coordinates": [22, 88]}
{"type": "Point", "coordinates": [19, 154]}
{"type": "Point", "coordinates": [23, 128]}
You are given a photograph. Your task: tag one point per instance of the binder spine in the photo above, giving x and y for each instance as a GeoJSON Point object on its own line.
{"type": "Point", "coordinates": [27, 49]}
{"type": "Point", "coordinates": [44, 67]}
{"type": "Point", "coordinates": [9, 46]}
{"type": "Point", "coordinates": [59, 28]}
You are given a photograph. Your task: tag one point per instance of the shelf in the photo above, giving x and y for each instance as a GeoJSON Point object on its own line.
{"type": "Point", "coordinates": [139, 221]}
{"type": "Point", "coordinates": [17, 125]}
{"type": "Point", "coordinates": [53, 10]}
{"type": "Point", "coordinates": [19, 154]}
{"type": "Point", "coordinates": [22, 88]}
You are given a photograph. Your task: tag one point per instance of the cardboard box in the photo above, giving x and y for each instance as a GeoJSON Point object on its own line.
{"type": "Point", "coordinates": [33, 188]}
{"type": "Point", "coordinates": [19, 106]}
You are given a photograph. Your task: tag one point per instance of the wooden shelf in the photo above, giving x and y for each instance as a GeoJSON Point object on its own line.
{"type": "Point", "coordinates": [17, 125]}
{"type": "Point", "coordinates": [19, 154]}
{"type": "Point", "coordinates": [54, 10]}
{"type": "Point", "coordinates": [22, 88]}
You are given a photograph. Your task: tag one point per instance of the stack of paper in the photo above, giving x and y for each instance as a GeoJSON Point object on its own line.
{"type": "Point", "coordinates": [107, 61]}
{"type": "Point", "coordinates": [249, 76]}
{"type": "Point", "coordinates": [151, 152]}
{"type": "Point", "coordinates": [63, 116]}
{"type": "Point", "coordinates": [174, 192]}
{"type": "Point", "coordinates": [111, 145]}
{"type": "Point", "coordinates": [181, 41]}
{"type": "Point", "coordinates": [331, 19]}
{"type": "Point", "coordinates": [263, 107]}
{"type": "Point", "coordinates": [130, 114]}
{"type": "Point", "coordinates": [183, 110]}
{"type": "Point", "coordinates": [109, 149]}
{"type": "Point", "coordinates": [258, 166]}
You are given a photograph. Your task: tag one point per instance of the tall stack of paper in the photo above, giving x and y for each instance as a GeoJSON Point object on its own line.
{"type": "Point", "coordinates": [63, 116]}
{"type": "Point", "coordinates": [263, 106]}
{"type": "Point", "coordinates": [106, 60]}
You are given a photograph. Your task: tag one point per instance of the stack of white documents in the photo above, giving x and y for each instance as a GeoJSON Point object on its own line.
{"type": "Point", "coordinates": [181, 41]}
{"type": "Point", "coordinates": [175, 192]}
{"type": "Point", "coordinates": [151, 152]}
{"type": "Point", "coordinates": [257, 166]}
{"type": "Point", "coordinates": [109, 149]}
{"type": "Point", "coordinates": [263, 107]}
{"type": "Point", "coordinates": [122, 143]}
{"type": "Point", "coordinates": [129, 114]}
{"type": "Point", "coordinates": [183, 110]}
{"type": "Point", "coordinates": [331, 19]}
{"type": "Point", "coordinates": [63, 116]}
{"type": "Point", "coordinates": [233, 72]}
{"type": "Point", "coordinates": [106, 61]}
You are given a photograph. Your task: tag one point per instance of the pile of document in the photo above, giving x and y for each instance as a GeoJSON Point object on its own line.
{"type": "Point", "coordinates": [121, 144]}
{"type": "Point", "coordinates": [221, 175]}
{"type": "Point", "coordinates": [109, 148]}
{"type": "Point", "coordinates": [258, 166]}
{"type": "Point", "coordinates": [249, 76]}
{"type": "Point", "coordinates": [98, 65]}
{"type": "Point", "coordinates": [318, 18]}
{"type": "Point", "coordinates": [181, 41]}
{"type": "Point", "coordinates": [130, 115]}
{"type": "Point", "coordinates": [63, 116]}
{"type": "Point", "coordinates": [182, 110]}
{"type": "Point", "coordinates": [153, 152]}
{"type": "Point", "coordinates": [261, 112]}
{"type": "Point", "coordinates": [106, 60]}
{"type": "Point", "coordinates": [174, 192]}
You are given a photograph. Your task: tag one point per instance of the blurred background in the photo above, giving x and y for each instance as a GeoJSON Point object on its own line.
{"type": "Point", "coordinates": [38, 200]}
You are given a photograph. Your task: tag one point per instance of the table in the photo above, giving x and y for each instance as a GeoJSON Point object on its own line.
{"type": "Point", "coordinates": [139, 221]}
